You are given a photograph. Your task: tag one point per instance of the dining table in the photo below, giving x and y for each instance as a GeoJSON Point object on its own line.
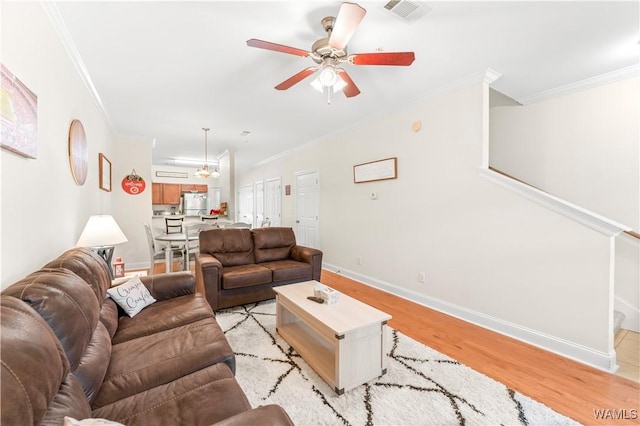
{"type": "Point", "coordinates": [176, 237]}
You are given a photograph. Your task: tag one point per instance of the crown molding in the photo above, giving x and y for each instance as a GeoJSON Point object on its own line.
{"type": "Point", "coordinates": [600, 80]}
{"type": "Point", "coordinates": [61, 30]}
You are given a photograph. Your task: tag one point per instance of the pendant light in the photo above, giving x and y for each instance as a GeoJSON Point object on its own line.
{"type": "Point", "coordinates": [204, 171]}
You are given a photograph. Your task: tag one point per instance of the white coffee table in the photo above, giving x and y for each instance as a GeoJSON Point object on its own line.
{"type": "Point", "coordinates": [344, 342]}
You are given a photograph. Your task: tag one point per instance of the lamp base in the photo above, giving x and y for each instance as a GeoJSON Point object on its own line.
{"type": "Point", "coordinates": [106, 252]}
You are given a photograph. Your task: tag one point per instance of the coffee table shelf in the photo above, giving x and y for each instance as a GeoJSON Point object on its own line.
{"type": "Point", "coordinates": [344, 342]}
{"type": "Point", "coordinates": [311, 348]}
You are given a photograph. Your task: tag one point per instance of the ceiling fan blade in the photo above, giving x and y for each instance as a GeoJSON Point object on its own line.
{"type": "Point", "coordinates": [347, 21]}
{"type": "Point", "coordinates": [296, 78]}
{"type": "Point", "coordinates": [276, 47]}
{"type": "Point", "coordinates": [383, 58]}
{"type": "Point", "coordinates": [350, 90]}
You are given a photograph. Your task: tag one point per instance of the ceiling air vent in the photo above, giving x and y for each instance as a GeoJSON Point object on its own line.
{"type": "Point", "coordinates": [408, 11]}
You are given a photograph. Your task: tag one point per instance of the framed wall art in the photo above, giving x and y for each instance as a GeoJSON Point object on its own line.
{"type": "Point", "coordinates": [18, 116]}
{"type": "Point", "coordinates": [105, 172]}
{"type": "Point", "coordinates": [78, 152]}
{"type": "Point", "coordinates": [376, 170]}
{"type": "Point", "coordinates": [172, 174]}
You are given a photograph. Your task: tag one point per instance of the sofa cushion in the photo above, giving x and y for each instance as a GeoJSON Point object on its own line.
{"type": "Point", "coordinates": [109, 316]}
{"type": "Point", "coordinates": [37, 386]}
{"type": "Point", "coordinates": [286, 270]}
{"type": "Point", "coordinates": [131, 296]}
{"type": "Point", "coordinates": [67, 304]}
{"type": "Point", "coordinates": [141, 364]}
{"type": "Point", "coordinates": [245, 276]}
{"type": "Point", "coordinates": [163, 315]}
{"type": "Point", "coordinates": [89, 266]}
{"type": "Point", "coordinates": [70, 308]}
{"type": "Point", "coordinates": [203, 397]}
{"type": "Point", "coordinates": [273, 243]}
{"type": "Point", "coordinates": [233, 246]}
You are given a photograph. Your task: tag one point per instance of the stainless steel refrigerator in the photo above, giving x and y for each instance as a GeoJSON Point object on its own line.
{"type": "Point", "coordinates": [194, 204]}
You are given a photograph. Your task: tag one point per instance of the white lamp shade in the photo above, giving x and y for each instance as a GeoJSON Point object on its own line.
{"type": "Point", "coordinates": [101, 230]}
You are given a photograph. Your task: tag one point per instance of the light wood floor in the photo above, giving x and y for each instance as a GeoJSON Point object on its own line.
{"type": "Point", "coordinates": [627, 345]}
{"type": "Point", "coordinates": [566, 386]}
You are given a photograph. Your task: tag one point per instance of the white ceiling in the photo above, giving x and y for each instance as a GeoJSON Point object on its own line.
{"type": "Point", "coordinates": [163, 70]}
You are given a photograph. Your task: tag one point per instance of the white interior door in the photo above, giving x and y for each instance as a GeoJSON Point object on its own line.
{"type": "Point", "coordinates": [273, 201]}
{"type": "Point", "coordinates": [245, 204]}
{"type": "Point", "coordinates": [307, 209]}
{"type": "Point", "coordinates": [258, 203]}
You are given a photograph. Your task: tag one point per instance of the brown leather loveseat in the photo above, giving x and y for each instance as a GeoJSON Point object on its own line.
{"type": "Point", "coordinates": [239, 266]}
{"type": "Point", "coordinates": [67, 349]}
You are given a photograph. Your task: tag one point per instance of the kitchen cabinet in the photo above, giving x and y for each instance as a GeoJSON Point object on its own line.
{"type": "Point", "coordinates": [171, 193]}
{"type": "Point", "coordinates": [194, 188]}
{"type": "Point", "coordinates": [165, 193]}
{"type": "Point", "coordinates": [156, 193]}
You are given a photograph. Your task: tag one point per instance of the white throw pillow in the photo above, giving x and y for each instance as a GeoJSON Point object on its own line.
{"type": "Point", "coordinates": [132, 296]}
{"type": "Point", "coordinates": [70, 421]}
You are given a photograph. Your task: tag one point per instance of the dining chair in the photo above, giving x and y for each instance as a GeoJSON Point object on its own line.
{"type": "Point", "coordinates": [239, 225]}
{"type": "Point", "coordinates": [159, 253]}
{"type": "Point", "coordinates": [209, 218]}
{"type": "Point", "coordinates": [265, 223]}
{"type": "Point", "coordinates": [193, 246]}
{"type": "Point", "coordinates": [173, 224]}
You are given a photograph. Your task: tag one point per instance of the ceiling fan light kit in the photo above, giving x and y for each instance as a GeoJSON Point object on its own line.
{"type": "Point", "coordinates": [331, 51]}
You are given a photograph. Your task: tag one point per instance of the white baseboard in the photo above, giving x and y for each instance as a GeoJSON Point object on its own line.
{"type": "Point", "coordinates": [600, 360]}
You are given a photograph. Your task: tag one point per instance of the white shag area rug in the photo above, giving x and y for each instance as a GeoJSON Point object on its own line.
{"type": "Point", "coordinates": [421, 387]}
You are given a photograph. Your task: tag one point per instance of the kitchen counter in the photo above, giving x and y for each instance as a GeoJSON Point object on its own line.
{"type": "Point", "coordinates": [158, 223]}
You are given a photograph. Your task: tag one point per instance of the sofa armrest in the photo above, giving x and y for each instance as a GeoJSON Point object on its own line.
{"type": "Point", "coordinates": [309, 255]}
{"type": "Point", "coordinates": [265, 415]}
{"type": "Point", "coordinates": [208, 277]}
{"type": "Point", "coordinates": [170, 285]}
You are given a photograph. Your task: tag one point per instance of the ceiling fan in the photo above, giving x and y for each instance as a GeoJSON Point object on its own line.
{"type": "Point", "coordinates": [331, 51]}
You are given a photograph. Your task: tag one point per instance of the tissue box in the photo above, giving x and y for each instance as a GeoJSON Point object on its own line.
{"type": "Point", "coordinates": [329, 295]}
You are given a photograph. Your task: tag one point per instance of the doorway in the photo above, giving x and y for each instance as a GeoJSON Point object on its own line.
{"type": "Point", "coordinates": [273, 202]}
{"type": "Point", "coordinates": [245, 204]}
{"type": "Point", "coordinates": [258, 205]}
{"type": "Point", "coordinates": [307, 209]}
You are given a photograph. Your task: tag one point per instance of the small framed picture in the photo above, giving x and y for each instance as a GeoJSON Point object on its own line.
{"type": "Point", "coordinates": [105, 173]}
{"type": "Point", "coordinates": [118, 270]}
{"type": "Point", "coordinates": [376, 170]}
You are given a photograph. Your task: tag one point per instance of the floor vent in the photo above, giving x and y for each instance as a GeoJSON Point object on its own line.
{"type": "Point", "coordinates": [407, 10]}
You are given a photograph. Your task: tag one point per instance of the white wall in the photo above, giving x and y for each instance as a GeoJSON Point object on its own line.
{"type": "Point", "coordinates": [43, 210]}
{"type": "Point", "coordinates": [583, 147]}
{"type": "Point", "coordinates": [227, 183]}
{"type": "Point", "coordinates": [132, 211]}
{"type": "Point", "coordinates": [488, 255]}
{"type": "Point", "coordinates": [190, 179]}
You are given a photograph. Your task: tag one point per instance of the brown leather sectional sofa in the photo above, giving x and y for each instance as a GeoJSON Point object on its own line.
{"type": "Point", "coordinates": [68, 350]}
{"type": "Point", "coordinates": [239, 266]}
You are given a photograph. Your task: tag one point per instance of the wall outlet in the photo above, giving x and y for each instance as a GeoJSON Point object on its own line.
{"type": "Point", "coordinates": [359, 260]}
{"type": "Point", "coordinates": [421, 277]}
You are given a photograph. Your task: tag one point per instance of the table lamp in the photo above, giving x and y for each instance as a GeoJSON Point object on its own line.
{"type": "Point", "coordinates": [101, 233]}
